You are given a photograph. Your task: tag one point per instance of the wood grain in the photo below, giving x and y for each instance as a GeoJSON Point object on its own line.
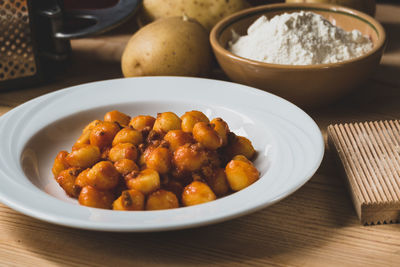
{"type": "Point", "coordinates": [316, 226]}
{"type": "Point", "coordinates": [369, 153]}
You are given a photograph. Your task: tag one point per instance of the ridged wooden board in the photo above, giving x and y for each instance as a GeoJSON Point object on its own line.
{"type": "Point", "coordinates": [370, 155]}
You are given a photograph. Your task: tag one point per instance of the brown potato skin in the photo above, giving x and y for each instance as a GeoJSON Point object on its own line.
{"type": "Point", "coordinates": [60, 163]}
{"type": "Point", "coordinates": [141, 122]}
{"type": "Point", "coordinates": [206, 135]}
{"type": "Point", "coordinates": [116, 116]}
{"type": "Point", "coordinates": [123, 151]}
{"type": "Point", "coordinates": [129, 200]}
{"type": "Point", "coordinates": [103, 176]}
{"type": "Point", "coordinates": [206, 12]}
{"type": "Point", "coordinates": [197, 193]}
{"type": "Point", "coordinates": [103, 134]}
{"type": "Point", "coordinates": [66, 179]}
{"type": "Point", "coordinates": [240, 174]}
{"type": "Point", "coordinates": [92, 197]}
{"type": "Point", "coordinates": [161, 200]}
{"type": "Point", "coordinates": [160, 160]}
{"type": "Point", "coordinates": [190, 118]}
{"type": "Point", "coordinates": [164, 47]}
{"type": "Point", "coordinates": [177, 138]}
{"type": "Point", "coordinates": [128, 135]}
{"type": "Point", "coordinates": [83, 157]}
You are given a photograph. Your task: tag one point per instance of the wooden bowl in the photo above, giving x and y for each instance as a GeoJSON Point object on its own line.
{"type": "Point", "coordinates": [308, 85]}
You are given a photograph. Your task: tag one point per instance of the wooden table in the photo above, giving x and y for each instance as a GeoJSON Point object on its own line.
{"type": "Point", "coordinates": [316, 226]}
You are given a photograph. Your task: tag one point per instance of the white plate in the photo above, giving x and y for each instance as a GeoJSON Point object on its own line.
{"type": "Point", "coordinates": [289, 144]}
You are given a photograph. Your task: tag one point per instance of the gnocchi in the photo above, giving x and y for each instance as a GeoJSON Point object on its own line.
{"type": "Point", "coordinates": [147, 163]}
{"type": "Point", "coordinates": [118, 117]}
{"type": "Point", "coordinates": [190, 118]}
{"type": "Point", "coordinates": [129, 200]}
{"type": "Point", "coordinates": [161, 200]}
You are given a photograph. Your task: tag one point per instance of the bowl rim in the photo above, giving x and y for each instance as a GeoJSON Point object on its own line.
{"type": "Point", "coordinates": [221, 26]}
{"type": "Point", "coordinates": [292, 133]}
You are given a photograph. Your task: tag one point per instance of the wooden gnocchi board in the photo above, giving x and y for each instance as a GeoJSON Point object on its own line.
{"type": "Point", "coordinates": [370, 155]}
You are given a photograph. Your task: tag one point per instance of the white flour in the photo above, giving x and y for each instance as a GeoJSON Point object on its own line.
{"type": "Point", "coordinates": [301, 38]}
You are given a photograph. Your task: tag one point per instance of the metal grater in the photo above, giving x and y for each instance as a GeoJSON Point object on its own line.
{"type": "Point", "coordinates": [17, 57]}
{"type": "Point", "coordinates": [35, 35]}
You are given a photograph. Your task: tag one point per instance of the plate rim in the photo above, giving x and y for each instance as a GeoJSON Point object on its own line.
{"type": "Point", "coordinates": [49, 218]}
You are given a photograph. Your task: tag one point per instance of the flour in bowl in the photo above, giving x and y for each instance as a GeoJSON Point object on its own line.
{"type": "Point", "coordinates": [300, 38]}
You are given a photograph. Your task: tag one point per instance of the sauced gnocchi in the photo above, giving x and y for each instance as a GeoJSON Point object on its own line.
{"type": "Point", "coordinates": [147, 163]}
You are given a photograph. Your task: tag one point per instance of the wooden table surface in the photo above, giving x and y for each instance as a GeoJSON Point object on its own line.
{"type": "Point", "coordinates": [316, 226]}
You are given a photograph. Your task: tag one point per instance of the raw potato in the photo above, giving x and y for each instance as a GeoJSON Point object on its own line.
{"type": "Point", "coordinates": [367, 6]}
{"type": "Point", "coordinates": [175, 46]}
{"type": "Point", "coordinates": [207, 12]}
